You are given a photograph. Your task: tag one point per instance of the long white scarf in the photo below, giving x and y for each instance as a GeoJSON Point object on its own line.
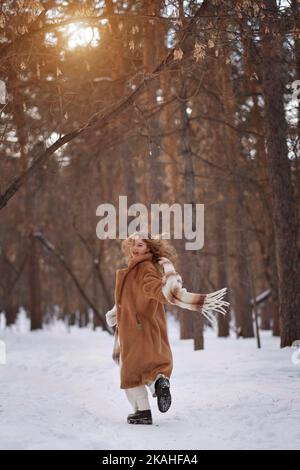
{"type": "Point", "coordinates": [208, 305]}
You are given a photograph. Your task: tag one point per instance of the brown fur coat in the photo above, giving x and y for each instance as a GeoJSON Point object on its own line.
{"type": "Point", "coordinates": [141, 323]}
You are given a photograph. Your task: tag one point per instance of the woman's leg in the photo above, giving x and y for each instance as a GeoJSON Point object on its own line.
{"type": "Point", "coordinates": [138, 398]}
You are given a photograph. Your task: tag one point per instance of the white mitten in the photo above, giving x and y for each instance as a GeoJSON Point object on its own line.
{"type": "Point", "coordinates": [111, 316]}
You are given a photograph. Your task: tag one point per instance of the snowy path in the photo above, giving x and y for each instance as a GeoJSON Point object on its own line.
{"type": "Point", "coordinates": [60, 390]}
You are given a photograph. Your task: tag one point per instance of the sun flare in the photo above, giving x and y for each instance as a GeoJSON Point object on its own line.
{"type": "Point", "coordinates": [79, 36]}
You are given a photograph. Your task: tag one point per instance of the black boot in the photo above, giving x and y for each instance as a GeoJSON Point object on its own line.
{"type": "Point", "coordinates": [162, 390]}
{"type": "Point", "coordinates": [140, 417]}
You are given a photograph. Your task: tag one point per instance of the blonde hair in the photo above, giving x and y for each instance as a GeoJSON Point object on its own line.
{"type": "Point", "coordinates": [158, 246]}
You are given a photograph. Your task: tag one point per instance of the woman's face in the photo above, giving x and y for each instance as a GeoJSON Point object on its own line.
{"type": "Point", "coordinates": [139, 247]}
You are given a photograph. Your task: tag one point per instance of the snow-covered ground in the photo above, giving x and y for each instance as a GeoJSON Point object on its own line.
{"type": "Point", "coordinates": [59, 389]}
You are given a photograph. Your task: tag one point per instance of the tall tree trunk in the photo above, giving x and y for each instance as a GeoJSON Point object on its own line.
{"type": "Point", "coordinates": [241, 298]}
{"type": "Point", "coordinates": [36, 320]}
{"type": "Point", "coordinates": [223, 321]}
{"type": "Point", "coordinates": [191, 324]}
{"type": "Point", "coordinates": [150, 61]}
{"type": "Point", "coordinates": [220, 216]}
{"type": "Point", "coordinates": [283, 201]}
{"type": "Point", "coordinates": [267, 245]}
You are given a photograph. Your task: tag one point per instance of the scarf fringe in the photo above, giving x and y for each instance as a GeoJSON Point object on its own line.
{"type": "Point", "coordinates": [213, 302]}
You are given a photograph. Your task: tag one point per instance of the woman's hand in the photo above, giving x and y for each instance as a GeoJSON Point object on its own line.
{"type": "Point", "coordinates": [111, 316]}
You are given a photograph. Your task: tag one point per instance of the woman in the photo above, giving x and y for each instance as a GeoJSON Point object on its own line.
{"type": "Point", "coordinates": [144, 352]}
{"type": "Point", "coordinates": [142, 347]}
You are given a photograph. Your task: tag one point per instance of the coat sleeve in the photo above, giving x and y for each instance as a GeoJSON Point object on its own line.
{"type": "Point", "coordinates": [152, 284]}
